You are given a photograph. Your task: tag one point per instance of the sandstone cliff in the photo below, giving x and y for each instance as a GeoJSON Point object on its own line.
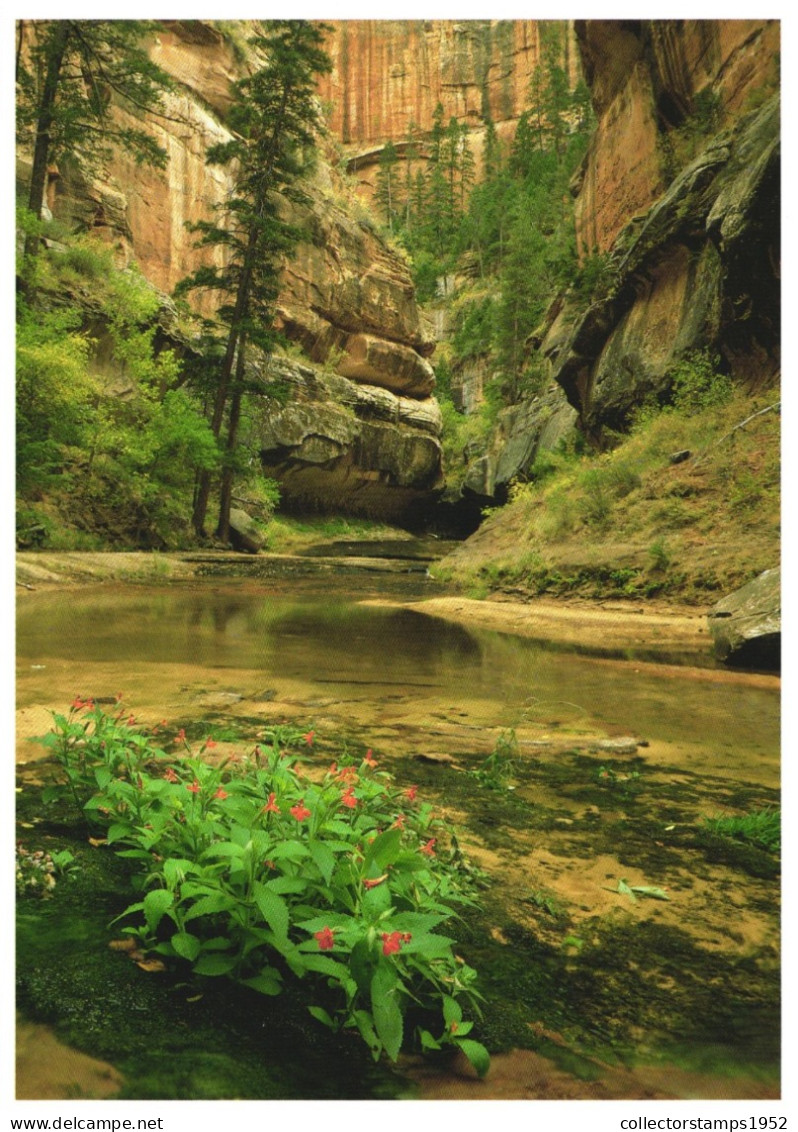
{"type": "Point", "coordinates": [389, 73]}
{"type": "Point", "coordinates": [680, 189]}
{"type": "Point", "coordinates": [346, 298]}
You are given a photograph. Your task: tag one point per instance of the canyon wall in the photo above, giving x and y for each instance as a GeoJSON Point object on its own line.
{"type": "Point", "coordinates": [346, 298]}
{"type": "Point", "coordinates": [680, 191]}
{"type": "Point", "coordinates": [389, 73]}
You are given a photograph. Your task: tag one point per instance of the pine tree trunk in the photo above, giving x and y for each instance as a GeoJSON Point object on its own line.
{"type": "Point", "coordinates": [226, 491]}
{"type": "Point", "coordinates": [44, 122]}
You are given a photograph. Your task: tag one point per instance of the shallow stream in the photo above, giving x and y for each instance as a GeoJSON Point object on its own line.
{"type": "Point", "coordinates": [225, 657]}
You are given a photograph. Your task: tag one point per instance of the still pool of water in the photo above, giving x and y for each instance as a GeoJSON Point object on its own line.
{"type": "Point", "coordinates": [315, 646]}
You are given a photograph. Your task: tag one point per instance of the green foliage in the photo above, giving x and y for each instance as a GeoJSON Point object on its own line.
{"type": "Point", "coordinates": [697, 383]}
{"type": "Point", "coordinates": [761, 828]}
{"type": "Point", "coordinates": [123, 465]}
{"type": "Point", "coordinates": [273, 117]}
{"type": "Point", "coordinates": [258, 871]}
{"type": "Point", "coordinates": [499, 767]}
{"type": "Point", "coordinates": [69, 79]}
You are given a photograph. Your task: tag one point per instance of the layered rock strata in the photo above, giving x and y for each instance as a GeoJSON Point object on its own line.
{"type": "Point", "coordinates": [346, 298]}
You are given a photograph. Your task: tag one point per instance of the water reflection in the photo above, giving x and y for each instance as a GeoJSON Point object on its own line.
{"type": "Point", "coordinates": [347, 649]}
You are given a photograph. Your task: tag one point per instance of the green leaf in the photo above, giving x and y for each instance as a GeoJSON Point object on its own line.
{"type": "Point", "coordinates": [186, 945]}
{"type": "Point", "coordinates": [117, 831]}
{"type": "Point", "coordinates": [476, 1054]}
{"type": "Point", "coordinates": [102, 776]}
{"type": "Point", "coordinates": [650, 890]}
{"type": "Point", "coordinates": [208, 905]}
{"type": "Point", "coordinates": [287, 884]}
{"type": "Point", "coordinates": [324, 859]}
{"type": "Point", "coordinates": [427, 1040]}
{"type": "Point", "coordinates": [383, 850]}
{"type": "Point", "coordinates": [429, 946]}
{"type": "Point", "coordinates": [365, 1025]}
{"type": "Point", "coordinates": [289, 851]}
{"type": "Point", "coordinates": [156, 904]}
{"type": "Point", "coordinates": [176, 869]}
{"type": "Point", "coordinates": [321, 1015]}
{"type": "Point", "coordinates": [328, 920]}
{"type": "Point", "coordinates": [273, 909]}
{"type": "Point", "coordinates": [362, 962]}
{"type": "Point", "coordinates": [625, 890]}
{"type": "Point", "coordinates": [267, 982]}
{"type": "Point", "coordinates": [324, 965]}
{"type": "Point", "coordinates": [452, 1011]}
{"type": "Point", "coordinates": [385, 1010]}
{"type": "Point", "coordinates": [223, 849]}
{"type": "Point", "coordinates": [214, 965]}
{"type": "Point", "coordinates": [421, 922]}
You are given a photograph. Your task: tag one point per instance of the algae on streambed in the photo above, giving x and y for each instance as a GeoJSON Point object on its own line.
{"type": "Point", "coordinates": [569, 964]}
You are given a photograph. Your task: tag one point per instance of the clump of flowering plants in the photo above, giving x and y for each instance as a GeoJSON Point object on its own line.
{"type": "Point", "coordinates": [263, 870]}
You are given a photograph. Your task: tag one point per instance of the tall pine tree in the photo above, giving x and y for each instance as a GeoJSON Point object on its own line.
{"type": "Point", "coordinates": [273, 120]}
{"type": "Point", "coordinates": [70, 74]}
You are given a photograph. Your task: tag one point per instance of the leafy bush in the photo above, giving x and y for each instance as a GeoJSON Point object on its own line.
{"type": "Point", "coordinates": [262, 871]}
{"type": "Point", "coordinates": [697, 384]}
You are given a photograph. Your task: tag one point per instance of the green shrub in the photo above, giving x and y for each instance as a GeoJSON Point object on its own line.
{"type": "Point", "coordinates": [264, 872]}
{"type": "Point", "coordinates": [697, 383]}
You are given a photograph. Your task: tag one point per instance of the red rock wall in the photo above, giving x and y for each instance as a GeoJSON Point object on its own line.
{"type": "Point", "coordinates": [389, 72]}
{"type": "Point", "coordinates": [644, 76]}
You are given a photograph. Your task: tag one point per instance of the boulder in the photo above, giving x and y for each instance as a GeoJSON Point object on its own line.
{"type": "Point", "coordinates": [338, 445]}
{"type": "Point", "coordinates": [746, 625]}
{"type": "Point", "coordinates": [245, 534]}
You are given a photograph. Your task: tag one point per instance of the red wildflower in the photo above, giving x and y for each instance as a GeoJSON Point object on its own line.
{"type": "Point", "coordinates": [429, 847]}
{"type": "Point", "coordinates": [400, 822]}
{"type": "Point", "coordinates": [170, 775]}
{"type": "Point", "coordinates": [209, 744]}
{"type": "Point", "coordinates": [392, 942]}
{"type": "Point", "coordinates": [369, 760]}
{"type": "Point", "coordinates": [194, 787]}
{"type": "Point", "coordinates": [300, 810]}
{"type": "Point", "coordinates": [221, 794]}
{"type": "Point", "coordinates": [77, 704]}
{"type": "Point", "coordinates": [333, 768]}
{"type": "Point", "coordinates": [372, 882]}
{"type": "Point", "coordinates": [348, 798]}
{"type": "Point", "coordinates": [348, 774]}
{"type": "Point", "coordinates": [181, 735]}
{"type": "Point", "coordinates": [131, 719]}
{"type": "Point", "coordinates": [410, 793]}
{"type": "Point", "coordinates": [326, 939]}
{"type": "Point", "coordinates": [271, 806]}
{"type": "Point", "coordinates": [309, 738]}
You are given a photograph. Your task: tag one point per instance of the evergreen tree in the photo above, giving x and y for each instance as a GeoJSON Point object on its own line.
{"type": "Point", "coordinates": [467, 167]}
{"type": "Point", "coordinates": [69, 79]}
{"type": "Point", "coordinates": [386, 192]}
{"type": "Point", "coordinates": [273, 119]}
{"type": "Point", "coordinates": [412, 153]}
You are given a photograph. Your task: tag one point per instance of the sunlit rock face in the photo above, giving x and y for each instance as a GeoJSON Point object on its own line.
{"type": "Point", "coordinates": [346, 299]}
{"type": "Point", "coordinates": [680, 187]}
{"type": "Point", "coordinates": [648, 78]}
{"type": "Point", "coordinates": [388, 74]}
{"type": "Point", "coordinates": [346, 445]}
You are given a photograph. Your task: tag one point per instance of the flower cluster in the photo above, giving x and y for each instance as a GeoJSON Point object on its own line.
{"type": "Point", "coordinates": [252, 866]}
